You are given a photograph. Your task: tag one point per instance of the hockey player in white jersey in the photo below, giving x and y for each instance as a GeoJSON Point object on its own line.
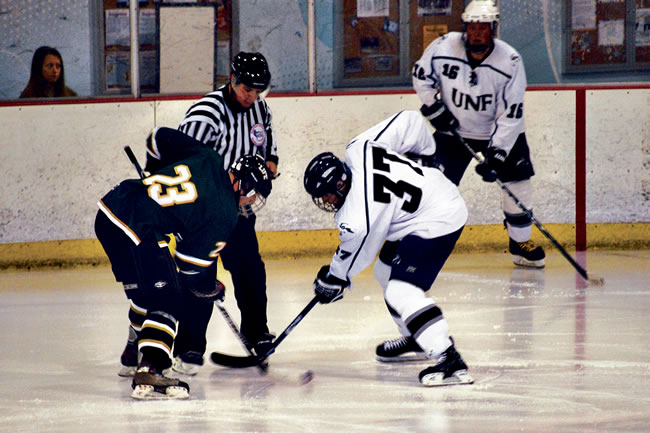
{"type": "Point", "coordinates": [474, 84]}
{"type": "Point", "coordinates": [380, 195]}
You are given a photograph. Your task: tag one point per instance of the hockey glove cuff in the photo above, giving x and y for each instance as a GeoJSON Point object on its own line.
{"type": "Point", "coordinates": [210, 293]}
{"type": "Point", "coordinates": [327, 287]}
{"type": "Point", "coordinates": [494, 160]}
{"type": "Point", "coordinates": [439, 116]}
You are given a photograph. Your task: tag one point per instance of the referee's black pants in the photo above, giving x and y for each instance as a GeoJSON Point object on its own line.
{"type": "Point", "coordinates": [242, 259]}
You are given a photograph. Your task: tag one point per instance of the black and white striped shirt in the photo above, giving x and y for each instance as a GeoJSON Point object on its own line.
{"type": "Point", "coordinates": [219, 121]}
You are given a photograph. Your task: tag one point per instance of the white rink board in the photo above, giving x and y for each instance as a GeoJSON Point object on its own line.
{"type": "Point", "coordinates": [60, 159]}
{"type": "Point", "coordinates": [618, 155]}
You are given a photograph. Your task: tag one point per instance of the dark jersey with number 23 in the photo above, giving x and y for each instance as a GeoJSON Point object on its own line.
{"type": "Point", "coordinates": [191, 197]}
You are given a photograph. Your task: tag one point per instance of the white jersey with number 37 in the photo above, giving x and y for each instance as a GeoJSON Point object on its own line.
{"type": "Point", "coordinates": [487, 99]}
{"type": "Point", "coordinates": [391, 196]}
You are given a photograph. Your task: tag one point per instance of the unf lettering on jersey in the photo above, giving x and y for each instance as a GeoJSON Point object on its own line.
{"type": "Point", "coordinates": [467, 102]}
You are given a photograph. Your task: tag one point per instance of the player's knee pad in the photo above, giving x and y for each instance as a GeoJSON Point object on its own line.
{"type": "Point", "coordinates": [518, 223]}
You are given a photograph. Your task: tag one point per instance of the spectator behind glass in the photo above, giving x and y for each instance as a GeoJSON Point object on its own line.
{"type": "Point", "coordinates": [47, 79]}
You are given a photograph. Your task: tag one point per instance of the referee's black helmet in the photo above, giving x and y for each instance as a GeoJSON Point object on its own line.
{"type": "Point", "coordinates": [252, 70]}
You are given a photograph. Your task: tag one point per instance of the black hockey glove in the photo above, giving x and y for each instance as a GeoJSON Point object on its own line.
{"type": "Point", "coordinates": [490, 167]}
{"type": "Point", "coordinates": [439, 116]}
{"type": "Point", "coordinates": [327, 287]}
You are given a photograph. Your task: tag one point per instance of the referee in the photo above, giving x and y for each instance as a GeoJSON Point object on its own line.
{"type": "Point", "coordinates": [234, 121]}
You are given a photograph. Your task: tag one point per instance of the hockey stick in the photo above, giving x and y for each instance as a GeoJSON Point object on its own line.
{"type": "Point", "coordinates": [218, 303]}
{"type": "Point", "coordinates": [134, 161]}
{"type": "Point", "coordinates": [249, 361]}
{"type": "Point", "coordinates": [263, 367]}
{"type": "Point", "coordinates": [598, 281]}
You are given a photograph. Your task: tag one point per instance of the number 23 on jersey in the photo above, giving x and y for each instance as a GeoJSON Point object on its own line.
{"type": "Point", "coordinates": [172, 190]}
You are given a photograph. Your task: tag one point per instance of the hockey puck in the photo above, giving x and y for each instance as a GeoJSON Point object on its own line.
{"type": "Point", "coordinates": [306, 377]}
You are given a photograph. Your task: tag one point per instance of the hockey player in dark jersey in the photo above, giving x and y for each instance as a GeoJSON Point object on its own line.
{"type": "Point", "coordinates": [190, 195]}
{"type": "Point", "coordinates": [473, 84]}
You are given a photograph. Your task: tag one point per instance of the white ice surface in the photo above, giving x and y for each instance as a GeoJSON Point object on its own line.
{"type": "Point", "coordinates": [547, 354]}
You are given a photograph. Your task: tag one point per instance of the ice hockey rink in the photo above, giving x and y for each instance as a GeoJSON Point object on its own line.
{"type": "Point", "coordinates": [547, 352]}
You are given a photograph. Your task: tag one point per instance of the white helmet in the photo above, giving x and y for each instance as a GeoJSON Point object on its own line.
{"type": "Point", "coordinates": [482, 11]}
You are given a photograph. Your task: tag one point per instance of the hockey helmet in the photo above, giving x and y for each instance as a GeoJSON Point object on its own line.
{"type": "Point", "coordinates": [482, 11]}
{"type": "Point", "coordinates": [252, 70]}
{"type": "Point", "coordinates": [327, 174]}
{"type": "Point", "coordinates": [254, 183]}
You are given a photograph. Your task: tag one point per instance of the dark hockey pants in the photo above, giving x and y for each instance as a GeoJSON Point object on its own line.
{"type": "Point", "coordinates": [161, 305]}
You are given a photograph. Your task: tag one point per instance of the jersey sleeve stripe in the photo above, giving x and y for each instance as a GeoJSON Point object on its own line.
{"type": "Point", "coordinates": [382, 131]}
{"type": "Point", "coordinates": [366, 206]}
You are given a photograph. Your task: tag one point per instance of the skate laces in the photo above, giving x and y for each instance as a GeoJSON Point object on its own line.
{"type": "Point", "coordinates": [527, 246]}
{"type": "Point", "coordinates": [395, 343]}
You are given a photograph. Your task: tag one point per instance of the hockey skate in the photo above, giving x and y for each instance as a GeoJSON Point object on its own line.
{"type": "Point", "coordinates": [129, 359]}
{"type": "Point", "coordinates": [188, 363]}
{"type": "Point", "coordinates": [400, 350]}
{"type": "Point", "coordinates": [449, 370]}
{"type": "Point", "coordinates": [149, 384]}
{"type": "Point", "coordinates": [264, 344]}
{"type": "Point", "coordinates": [527, 254]}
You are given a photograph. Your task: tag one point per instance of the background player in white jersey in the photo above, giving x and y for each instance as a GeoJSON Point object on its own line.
{"type": "Point", "coordinates": [474, 84]}
{"type": "Point", "coordinates": [380, 195]}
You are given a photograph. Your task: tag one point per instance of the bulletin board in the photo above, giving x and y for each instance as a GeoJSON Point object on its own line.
{"type": "Point", "coordinates": [371, 39]}
{"type": "Point", "coordinates": [431, 19]}
{"type": "Point", "coordinates": [601, 37]}
{"type": "Point", "coordinates": [380, 40]}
